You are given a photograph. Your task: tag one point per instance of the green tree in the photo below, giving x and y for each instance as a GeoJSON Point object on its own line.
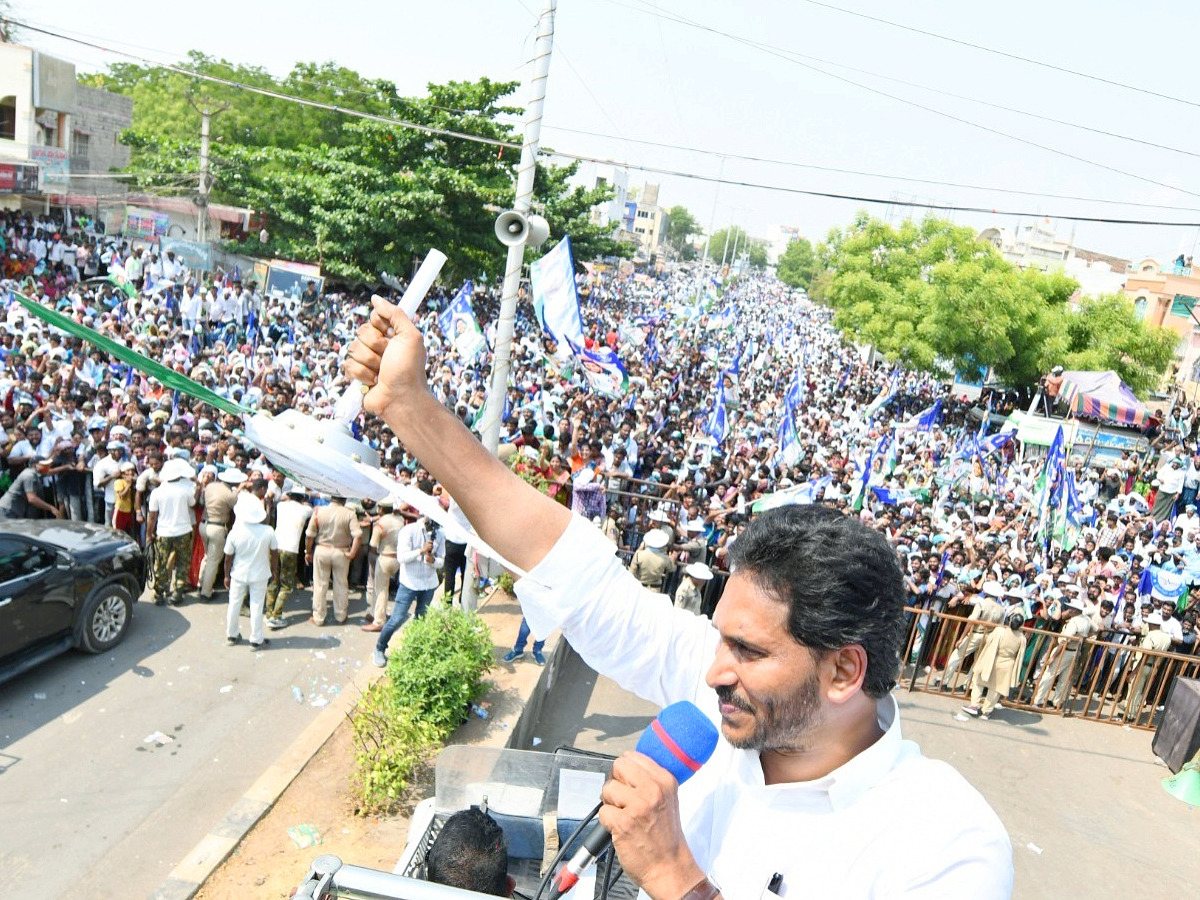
{"type": "Point", "coordinates": [798, 264]}
{"type": "Point", "coordinates": [681, 225]}
{"type": "Point", "coordinates": [358, 196]}
{"type": "Point", "coordinates": [757, 253]}
{"type": "Point", "coordinates": [933, 296]}
{"type": "Point", "coordinates": [1105, 333]}
{"type": "Point", "coordinates": [725, 241]}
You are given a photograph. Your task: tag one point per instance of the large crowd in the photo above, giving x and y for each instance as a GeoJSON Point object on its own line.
{"type": "Point", "coordinates": [805, 417]}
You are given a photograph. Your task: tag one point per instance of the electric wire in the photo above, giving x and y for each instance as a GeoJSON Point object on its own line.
{"type": "Point", "coordinates": [1014, 56]}
{"type": "Point", "coordinates": [445, 132]}
{"type": "Point", "coordinates": [784, 55]}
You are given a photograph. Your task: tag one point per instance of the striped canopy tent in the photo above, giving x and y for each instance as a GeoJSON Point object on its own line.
{"type": "Point", "coordinates": [1103, 396]}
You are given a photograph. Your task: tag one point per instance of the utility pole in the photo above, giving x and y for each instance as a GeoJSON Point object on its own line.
{"type": "Point", "coordinates": [712, 219]}
{"type": "Point", "coordinates": [493, 410]}
{"type": "Point", "coordinates": [205, 186]}
{"type": "Point", "coordinates": [502, 357]}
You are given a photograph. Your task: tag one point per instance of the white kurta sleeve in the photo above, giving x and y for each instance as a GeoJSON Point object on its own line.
{"type": "Point", "coordinates": [621, 629]}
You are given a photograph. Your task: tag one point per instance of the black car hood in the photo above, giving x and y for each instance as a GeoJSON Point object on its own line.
{"type": "Point", "coordinates": [76, 537]}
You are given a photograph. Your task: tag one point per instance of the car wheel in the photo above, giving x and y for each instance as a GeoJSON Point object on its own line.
{"type": "Point", "coordinates": [105, 618]}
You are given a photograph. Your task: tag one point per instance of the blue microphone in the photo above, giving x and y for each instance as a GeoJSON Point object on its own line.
{"type": "Point", "coordinates": [681, 740]}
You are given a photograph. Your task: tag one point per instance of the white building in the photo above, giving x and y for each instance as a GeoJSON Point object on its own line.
{"type": "Point", "coordinates": [1036, 245]}
{"type": "Point", "coordinates": [778, 237]}
{"type": "Point", "coordinates": [37, 99]}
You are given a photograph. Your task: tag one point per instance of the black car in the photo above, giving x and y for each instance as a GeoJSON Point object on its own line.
{"type": "Point", "coordinates": [63, 584]}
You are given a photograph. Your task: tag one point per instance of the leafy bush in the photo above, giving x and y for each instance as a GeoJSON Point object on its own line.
{"type": "Point", "coordinates": [389, 743]}
{"type": "Point", "coordinates": [439, 668]}
{"type": "Point", "coordinates": [432, 679]}
{"type": "Point", "coordinates": [505, 583]}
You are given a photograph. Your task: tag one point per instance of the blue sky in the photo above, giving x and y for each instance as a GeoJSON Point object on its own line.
{"type": "Point", "coordinates": [624, 69]}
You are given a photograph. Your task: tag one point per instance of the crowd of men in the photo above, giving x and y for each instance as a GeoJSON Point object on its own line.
{"type": "Point", "coordinates": [740, 395]}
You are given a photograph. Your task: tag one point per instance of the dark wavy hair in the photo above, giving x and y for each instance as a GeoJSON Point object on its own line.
{"type": "Point", "coordinates": [470, 853]}
{"type": "Point", "coordinates": [839, 578]}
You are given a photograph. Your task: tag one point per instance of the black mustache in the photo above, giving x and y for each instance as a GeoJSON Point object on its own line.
{"type": "Point", "coordinates": [726, 694]}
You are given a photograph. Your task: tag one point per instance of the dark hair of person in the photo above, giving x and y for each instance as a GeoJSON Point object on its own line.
{"type": "Point", "coordinates": [470, 853]}
{"type": "Point", "coordinates": [839, 578]}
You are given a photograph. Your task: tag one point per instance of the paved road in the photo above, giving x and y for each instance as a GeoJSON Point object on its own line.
{"type": "Point", "coordinates": [89, 807]}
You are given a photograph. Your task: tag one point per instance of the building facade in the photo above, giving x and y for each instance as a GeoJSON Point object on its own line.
{"type": "Point", "coordinates": [1036, 245]}
{"type": "Point", "coordinates": [1167, 295]}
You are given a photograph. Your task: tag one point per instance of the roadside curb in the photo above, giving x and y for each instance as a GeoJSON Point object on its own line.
{"type": "Point", "coordinates": [223, 838]}
{"type": "Point", "coordinates": [186, 879]}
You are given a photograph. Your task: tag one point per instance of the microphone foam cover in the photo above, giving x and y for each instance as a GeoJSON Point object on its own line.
{"type": "Point", "coordinates": [680, 740]}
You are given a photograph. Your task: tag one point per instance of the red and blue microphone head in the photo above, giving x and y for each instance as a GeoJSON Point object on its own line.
{"type": "Point", "coordinates": [681, 739]}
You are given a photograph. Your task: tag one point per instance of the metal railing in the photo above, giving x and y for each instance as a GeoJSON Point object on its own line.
{"type": "Point", "coordinates": [1102, 680]}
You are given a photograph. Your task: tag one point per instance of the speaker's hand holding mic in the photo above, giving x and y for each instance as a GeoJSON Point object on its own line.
{"type": "Point", "coordinates": [640, 807]}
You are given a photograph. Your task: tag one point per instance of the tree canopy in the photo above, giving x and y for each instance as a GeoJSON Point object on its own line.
{"type": "Point", "coordinates": [930, 294]}
{"type": "Point", "coordinates": [725, 242]}
{"type": "Point", "coordinates": [681, 225]}
{"type": "Point", "coordinates": [359, 196]}
{"type": "Point", "coordinates": [797, 264]}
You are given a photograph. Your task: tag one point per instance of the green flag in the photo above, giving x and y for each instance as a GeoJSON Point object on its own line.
{"type": "Point", "coordinates": [167, 376]}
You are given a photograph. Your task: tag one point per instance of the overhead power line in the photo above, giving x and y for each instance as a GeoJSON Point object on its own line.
{"type": "Point", "coordinates": [789, 57]}
{"type": "Point", "coordinates": [859, 173]}
{"type": "Point", "coordinates": [1014, 56]}
{"type": "Point", "coordinates": [579, 157]}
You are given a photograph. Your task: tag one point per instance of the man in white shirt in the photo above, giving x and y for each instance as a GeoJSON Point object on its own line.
{"type": "Point", "coordinates": [170, 523]}
{"type": "Point", "coordinates": [251, 560]}
{"type": "Point", "coordinates": [104, 472]}
{"type": "Point", "coordinates": [420, 551]}
{"type": "Point", "coordinates": [797, 667]}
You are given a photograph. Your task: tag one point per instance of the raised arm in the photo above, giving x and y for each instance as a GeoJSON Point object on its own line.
{"type": "Point", "coordinates": [522, 523]}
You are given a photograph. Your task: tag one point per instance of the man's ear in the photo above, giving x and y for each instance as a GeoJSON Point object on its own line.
{"type": "Point", "coordinates": [511, 884]}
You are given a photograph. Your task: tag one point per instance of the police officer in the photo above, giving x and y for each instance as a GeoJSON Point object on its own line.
{"type": "Point", "coordinates": [333, 539]}
{"type": "Point", "coordinates": [651, 565]}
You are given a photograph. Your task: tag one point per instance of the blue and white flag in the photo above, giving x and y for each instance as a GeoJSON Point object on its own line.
{"type": "Point", "coordinates": [556, 300]}
{"type": "Point", "coordinates": [718, 421]}
{"type": "Point", "coordinates": [927, 418]}
{"type": "Point", "coordinates": [1161, 584]}
{"type": "Point", "coordinates": [994, 442]}
{"type": "Point", "coordinates": [789, 442]}
{"type": "Point", "coordinates": [797, 393]}
{"type": "Point", "coordinates": [604, 372]}
{"type": "Point", "coordinates": [801, 495]}
{"type": "Point", "coordinates": [458, 324]}
{"type": "Point", "coordinates": [893, 496]}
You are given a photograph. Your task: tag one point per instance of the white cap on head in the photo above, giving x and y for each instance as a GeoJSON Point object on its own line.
{"type": "Point", "coordinates": [700, 571]}
{"type": "Point", "coordinates": [232, 476]}
{"type": "Point", "coordinates": [656, 539]}
{"type": "Point", "coordinates": [174, 469]}
{"type": "Point", "coordinates": [993, 589]}
{"type": "Point", "coordinates": [249, 509]}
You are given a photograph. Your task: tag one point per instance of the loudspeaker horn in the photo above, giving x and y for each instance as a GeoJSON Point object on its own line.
{"type": "Point", "coordinates": [1185, 786]}
{"type": "Point", "coordinates": [512, 228]}
{"type": "Point", "coordinates": [539, 231]}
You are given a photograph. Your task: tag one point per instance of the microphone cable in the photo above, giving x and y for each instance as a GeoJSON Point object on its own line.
{"type": "Point", "coordinates": [562, 851]}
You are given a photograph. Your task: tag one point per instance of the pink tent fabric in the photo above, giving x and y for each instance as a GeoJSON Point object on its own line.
{"type": "Point", "coordinates": [1104, 396]}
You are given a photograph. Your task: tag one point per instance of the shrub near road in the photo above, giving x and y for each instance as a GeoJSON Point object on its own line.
{"type": "Point", "coordinates": [431, 681]}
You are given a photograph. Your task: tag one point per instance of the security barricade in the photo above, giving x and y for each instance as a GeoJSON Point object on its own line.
{"type": "Point", "coordinates": [1114, 681]}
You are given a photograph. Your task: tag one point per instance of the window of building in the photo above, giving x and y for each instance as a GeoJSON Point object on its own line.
{"type": "Point", "coordinates": [1139, 307]}
{"type": "Point", "coordinates": [643, 214]}
{"type": "Point", "coordinates": [1183, 306]}
{"type": "Point", "coordinates": [8, 118]}
{"type": "Point", "coordinates": [80, 144]}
